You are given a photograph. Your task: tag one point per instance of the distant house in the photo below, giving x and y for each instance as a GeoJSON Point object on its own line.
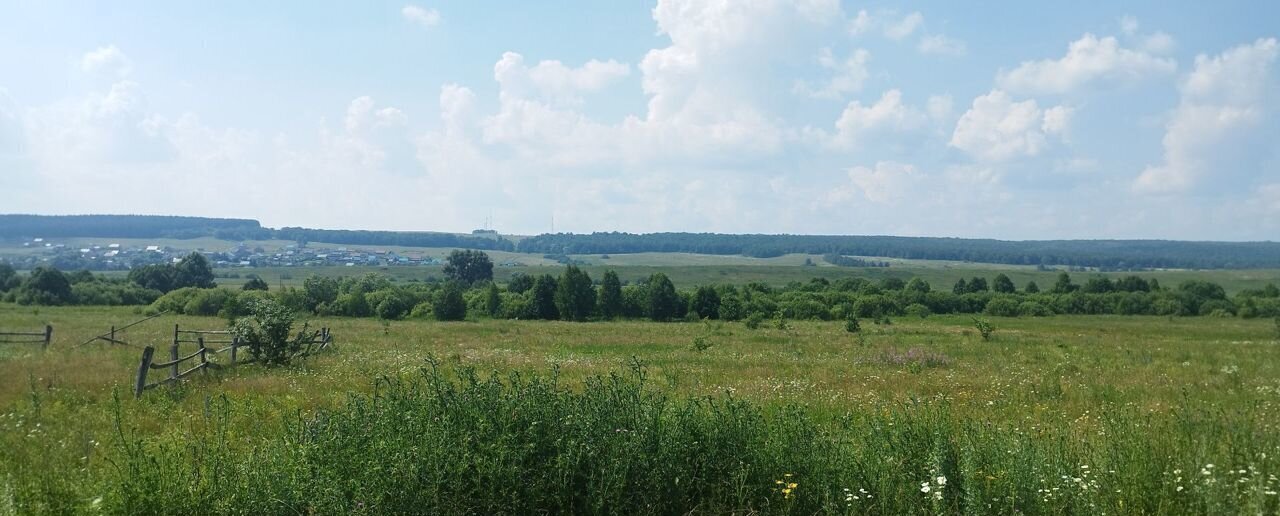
{"type": "Point", "coordinates": [153, 248]}
{"type": "Point", "coordinates": [114, 246]}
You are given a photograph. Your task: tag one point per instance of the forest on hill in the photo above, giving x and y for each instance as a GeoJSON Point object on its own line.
{"type": "Point", "coordinates": [1106, 254]}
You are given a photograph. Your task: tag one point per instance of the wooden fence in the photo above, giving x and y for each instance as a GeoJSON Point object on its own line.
{"type": "Point", "coordinates": [203, 339]}
{"type": "Point", "coordinates": [33, 337]}
{"type": "Point", "coordinates": [113, 336]}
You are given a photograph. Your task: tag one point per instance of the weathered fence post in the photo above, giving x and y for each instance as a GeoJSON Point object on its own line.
{"type": "Point", "coordinates": [204, 362]}
{"type": "Point", "coordinates": [142, 371]}
{"type": "Point", "coordinates": [113, 334]}
{"type": "Point", "coordinates": [48, 336]}
{"type": "Point", "coordinates": [173, 354]}
{"type": "Point", "coordinates": [235, 344]}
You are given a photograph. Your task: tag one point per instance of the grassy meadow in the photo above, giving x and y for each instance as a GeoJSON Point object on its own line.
{"type": "Point", "coordinates": [1051, 416]}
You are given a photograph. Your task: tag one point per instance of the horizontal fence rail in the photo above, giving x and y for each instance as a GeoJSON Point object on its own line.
{"type": "Point", "coordinates": [113, 335]}
{"type": "Point", "coordinates": [199, 359]}
{"type": "Point", "coordinates": [29, 337]}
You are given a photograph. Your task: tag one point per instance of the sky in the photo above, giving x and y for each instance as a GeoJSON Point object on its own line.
{"type": "Point", "coordinates": [998, 119]}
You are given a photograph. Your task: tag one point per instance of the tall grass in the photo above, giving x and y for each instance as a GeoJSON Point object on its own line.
{"type": "Point", "coordinates": [453, 441]}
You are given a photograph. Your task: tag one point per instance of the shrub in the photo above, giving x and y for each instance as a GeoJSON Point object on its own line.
{"type": "Point", "coordinates": [266, 332]}
{"type": "Point", "coordinates": [984, 328]}
{"type": "Point", "coordinates": [206, 302]}
{"type": "Point", "coordinates": [1033, 309]}
{"type": "Point", "coordinates": [852, 325]}
{"type": "Point", "coordinates": [449, 305]}
{"type": "Point", "coordinates": [753, 321]}
{"type": "Point", "coordinates": [1002, 307]}
{"type": "Point", "coordinates": [917, 310]}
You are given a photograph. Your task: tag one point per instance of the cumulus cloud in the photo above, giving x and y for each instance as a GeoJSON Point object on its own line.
{"type": "Point", "coordinates": [939, 44]}
{"type": "Point", "coordinates": [1089, 60]}
{"type": "Point", "coordinates": [1223, 102]}
{"type": "Point", "coordinates": [886, 116]}
{"type": "Point", "coordinates": [848, 75]}
{"type": "Point", "coordinates": [997, 128]}
{"type": "Point", "coordinates": [888, 23]}
{"type": "Point", "coordinates": [422, 16]}
{"type": "Point", "coordinates": [107, 60]}
{"type": "Point", "coordinates": [553, 80]}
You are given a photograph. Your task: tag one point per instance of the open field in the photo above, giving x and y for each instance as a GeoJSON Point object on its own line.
{"type": "Point", "coordinates": [1146, 403]}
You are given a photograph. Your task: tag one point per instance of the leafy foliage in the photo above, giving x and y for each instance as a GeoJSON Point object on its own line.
{"type": "Point", "coordinates": [467, 266]}
{"type": "Point", "coordinates": [267, 333]}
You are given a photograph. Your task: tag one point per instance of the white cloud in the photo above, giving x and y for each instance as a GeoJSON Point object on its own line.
{"type": "Point", "coordinates": [1088, 60]}
{"type": "Point", "coordinates": [848, 75]}
{"type": "Point", "coordinates": [888, 115]}
{"type": "Point", "coordinates": [904, 27]}
{"type": "Point", "coordinates": [425, 17]}
{"type": "Point", "coordinates": [109, 60]}
{"type": "Point", "coordinates": [887, 22]}
{"type": "Point", "coordinates": [1223, 102]}
{"type": "Point", "coordinates": [939, 44]}
{"type": "Point", "coordinates": [552, 80]}
{"type": "Point", "coordinates": [998, 129]}
{"type": "Point", "coordinates": [887, 183]}
{"type": "Point", "coordinates": [1057, 119]}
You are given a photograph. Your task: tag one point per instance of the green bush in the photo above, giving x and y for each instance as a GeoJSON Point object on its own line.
{"type": "Point", "coordinates": [267, 332]}
{"type": "Point", "coordinates": [1002, 307]}
{"type": "Point", "coordinates": [917, 310]}
{"type": "Point", "coordinates": [1033, 309]}
{"type": "Point", "coordinates": [753, 321]}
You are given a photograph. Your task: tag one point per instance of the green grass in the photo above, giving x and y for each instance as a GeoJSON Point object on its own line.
{"type": "Point", "coordinates": [1146, 403]}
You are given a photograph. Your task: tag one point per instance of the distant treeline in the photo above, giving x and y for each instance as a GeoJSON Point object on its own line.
{"type": "Point", "coordinates": [122, 226]}
{"type": "Point", "coordinates": [1107, 254]}
{"type": "Point", "coordinates": [150, 226]}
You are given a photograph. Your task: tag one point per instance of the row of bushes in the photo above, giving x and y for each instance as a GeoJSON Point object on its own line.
{"type": "Point", "coordinates": [573, 296]}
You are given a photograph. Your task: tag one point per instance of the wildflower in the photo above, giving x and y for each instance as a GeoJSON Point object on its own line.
{"type": "Point", "coordinates": [924, 487]}
{"type": "Point", "coordinates": [942, 481]}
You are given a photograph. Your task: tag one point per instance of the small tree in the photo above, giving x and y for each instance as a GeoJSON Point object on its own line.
{"type": "Point", "coordinates": [852, 325]}
{"type": "Point", "coordinates": [266, 331]}
{"type": "Point", "coordinates": [468, 266]}
{"type": "Point", "coordinates": [1063, 285]}
{"type": "Point", "coordinates": [610, 295]}
{"type": "Point", "coordinates": [1003, 284]}
{"type": "Point", "coordinates": [45, 286]}
{"type": "Point", "coordinates": [449, 304]}
{"type": "Point", "coordinates": [155, 277]}
{"type": "Point", "coordinates": [1032, 288]}
{"type": "Point", "coordinates": [984, 328]}
{"type": "Point", "coordinates": [542, 298]}
{"type": "Point", "coordinates": [575, 297]}
{"type": "Point", "coordinates": [706, 302]}
{"type": "Point", "coordinates": [662, 298]}
{"type": "Point", "coordinates": [493, 301]}
{"type": "Point", "coordinates": [193, 271]}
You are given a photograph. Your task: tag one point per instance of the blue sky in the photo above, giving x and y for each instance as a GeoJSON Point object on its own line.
{"type": "Point", "coordinates": [1018, 120]}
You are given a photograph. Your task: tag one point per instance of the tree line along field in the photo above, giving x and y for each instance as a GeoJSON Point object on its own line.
{"type": "Point", "coordinates": [1068, 414]}
{"type": "Point", "coordinates": [936, 273]}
